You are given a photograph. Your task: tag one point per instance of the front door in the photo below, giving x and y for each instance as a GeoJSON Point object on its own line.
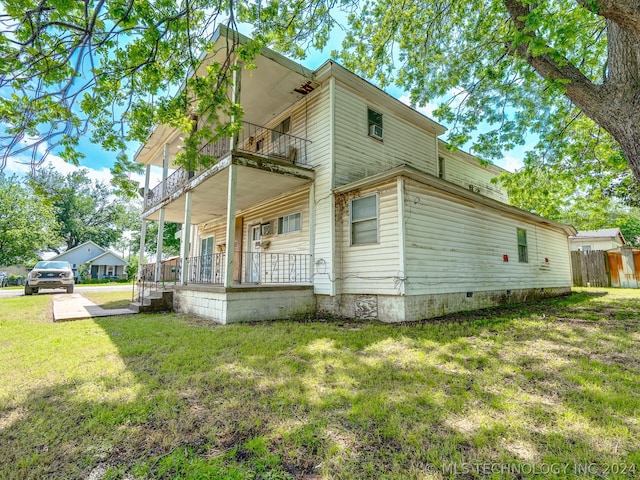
{"type": "Point", "coordinates": [255, 246]}
{"type": "Point", "coordinates": [206, 260]}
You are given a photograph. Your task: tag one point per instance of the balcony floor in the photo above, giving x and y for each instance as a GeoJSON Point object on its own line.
{"type": "Point", "coordinates": [259, 179]}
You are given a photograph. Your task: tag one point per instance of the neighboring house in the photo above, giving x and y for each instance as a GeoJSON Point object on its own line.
{"type": "Point", "coordinates": [589, 240]}
{"type": "Point", "coordinates": [337, 197]}
{"type": "Point", "coordinates": [102, 262]}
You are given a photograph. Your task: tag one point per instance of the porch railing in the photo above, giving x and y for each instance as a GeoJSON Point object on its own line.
{"type": "Point", "coordinates": [263, 267]}
{"type": "Point", "coordinates": [206, 269]}
{"type": "Point", "coordinates": [252, 139]}
{"type": "Point", "coordinates": [169, 272]}
{"type": "Point", "coordinates": [257, 268]}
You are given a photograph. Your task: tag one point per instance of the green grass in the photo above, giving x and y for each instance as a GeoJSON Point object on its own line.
{"type": "Point", "coordinates": [552, 383]}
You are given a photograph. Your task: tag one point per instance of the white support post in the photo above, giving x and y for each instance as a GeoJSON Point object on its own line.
{"type": "Point", "coordinates": [235, 98]}
{"type": "Point", "coordinates": [231, 226]}
{"type": "Point", "coordinates": [185, 243]}
{"type": "Point", "coordinates": [160, 239]}
{"type": "Point", "coordinates": [159, 244]}
{"type": "Point", "coordinates": [143, 228]}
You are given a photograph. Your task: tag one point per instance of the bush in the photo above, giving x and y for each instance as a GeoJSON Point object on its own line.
{"type": "Point", "coordinates": [16, 280]}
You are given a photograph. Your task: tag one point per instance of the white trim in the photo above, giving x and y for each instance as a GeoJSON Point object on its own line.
{"type": "Point", "coordinates": [332, 206]}
{"type": "Point", "coordinates": [401, 233]}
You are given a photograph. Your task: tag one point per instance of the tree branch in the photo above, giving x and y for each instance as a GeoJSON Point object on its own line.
{"type": "Point", "coordinates": [625, 13]}
{"type": "Point", "coordinates": [578, 88]}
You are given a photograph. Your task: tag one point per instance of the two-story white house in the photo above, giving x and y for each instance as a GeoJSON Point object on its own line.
{"type": "Point", "coordinates": [337, 197]}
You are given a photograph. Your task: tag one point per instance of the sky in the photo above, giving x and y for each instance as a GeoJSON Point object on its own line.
{"type": "Point", "coordinates": [98, 162]}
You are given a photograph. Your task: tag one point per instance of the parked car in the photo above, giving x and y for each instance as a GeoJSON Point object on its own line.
{"type": "Point", "coordinates": [50, 274]}
{"type": "Point", "coordinates": [4, 279]}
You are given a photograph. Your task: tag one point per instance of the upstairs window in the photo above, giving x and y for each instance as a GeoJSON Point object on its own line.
{"type": "Point", "coordinates": [364, 220]}
{"type": "Point", "coordinates": [523, 253]}
{"type": "Point", "coordinates": [284, 127]}
{"type": "Point", "coordinates": [441, 167]}
{"type": "Point", "coordinates": [290, 223]}
{"type": "Point", "coordinates": [374, 120]}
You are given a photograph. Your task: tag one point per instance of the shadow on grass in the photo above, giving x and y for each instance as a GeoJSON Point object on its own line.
{"type": "Point", "coordinates": [533, 385]}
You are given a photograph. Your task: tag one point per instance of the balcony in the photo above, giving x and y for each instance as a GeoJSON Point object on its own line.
{"type": "Point", "coordinates": [252, 139]}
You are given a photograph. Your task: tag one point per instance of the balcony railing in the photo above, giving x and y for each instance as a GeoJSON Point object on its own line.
{"type": "Point", "coordinates": [257, 268]}
{"type": "Point", "coordinates": [252, 139]}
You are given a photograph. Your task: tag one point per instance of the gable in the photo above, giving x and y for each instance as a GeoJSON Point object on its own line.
{"type": "Point", "coordinates": [81, 254]}
{"type": "Point", "coordinates": [108, 258]}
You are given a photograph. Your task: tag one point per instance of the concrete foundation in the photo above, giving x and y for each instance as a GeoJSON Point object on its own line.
{"type": "Point", "coordinates": [244, 304]}
{"type": "Point", "coordinates": [392, 308]}
{"type": "Point", "coordinates": [251, 303]}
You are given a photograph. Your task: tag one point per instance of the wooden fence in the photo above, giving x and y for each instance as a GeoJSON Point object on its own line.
{"type": "Point", "coordinates": [590, 269]}
{"type": "Point", "coordinates": [613, 268]}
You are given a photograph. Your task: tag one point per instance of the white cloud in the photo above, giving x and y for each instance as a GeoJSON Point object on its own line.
{"type": "Point", "coordinates": [510, 163]}
{"type": "Point", "coordinates": [20, 165]}
{"type": "Point", "coordinates": [427, 109]}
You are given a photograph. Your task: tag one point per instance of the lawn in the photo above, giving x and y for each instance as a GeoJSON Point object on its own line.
{"type": "Point", "coordinates": [549, 387]}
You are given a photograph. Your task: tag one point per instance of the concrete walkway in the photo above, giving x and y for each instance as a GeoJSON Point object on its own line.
{"type": "Point", "coordinates": [75, 307]}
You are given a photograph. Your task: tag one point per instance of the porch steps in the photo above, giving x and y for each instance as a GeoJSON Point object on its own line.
{"type": "Point", "coordinates": [154, 302]}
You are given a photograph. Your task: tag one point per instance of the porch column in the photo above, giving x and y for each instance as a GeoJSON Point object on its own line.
{"type": "Point", "coordinates": [231, 226]}
{"type": "Point", "coordinates": [185, 242]}
{"type": "Point", "coordinates": [235, 98]}
{"type": "Point", "coordinates": [143, 228]}
{"type": "Point", "coordinates": [160, 239]}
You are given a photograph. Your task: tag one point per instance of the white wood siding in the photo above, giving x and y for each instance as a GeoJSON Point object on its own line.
{"type": "Point", "coordinates": [373, 268]}
{"type": "Point", "coordinates": [358, 155]}
{"type": "Point", "coordinates": [596, 244]}
{"type": "Point", "coordinates": [317, 114]}
{"type": "Point", "coordinates": [455, 246]}
{"type": "Point", "coordinates": [294, 242]}
{"type": "Point", "coordinates": [463, 172]}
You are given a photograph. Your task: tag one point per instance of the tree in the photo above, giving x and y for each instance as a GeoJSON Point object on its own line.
{"type": "Point", "coordinates": [586, 199]}
{"type": "Point", "coordinates": [519, 67]}
{"type": "Point", "coordinates": [84, 209]}
{"type": "Point", "coordinates": [26, 224]}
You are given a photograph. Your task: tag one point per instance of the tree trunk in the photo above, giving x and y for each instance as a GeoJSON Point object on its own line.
{"type": "Point", "coordinates": [619, 112]}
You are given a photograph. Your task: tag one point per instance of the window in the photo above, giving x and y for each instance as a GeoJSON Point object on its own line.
{"type": "Point", "coordinates": [206, 246]}
{"type": "Point", "coordinates": [441, 167]}
{"type": "Point", "coordinates": [364, 220]}
{"type": "Point", "coordinates": [289, 223]}
{"type": "Point", "coordinates": [586, 248]}
{"type": "Point", "coordinates": [523, 255]}
{"type": "Point", "coordinates": [374, 124]}
{"type": "Point", "coordinates": [283, 127]}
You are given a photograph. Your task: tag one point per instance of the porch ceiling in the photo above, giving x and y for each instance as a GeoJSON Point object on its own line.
{"type": "Point", "coordinates": [266, 92]}
{"type": "Point", "coordinates": [209, 198]}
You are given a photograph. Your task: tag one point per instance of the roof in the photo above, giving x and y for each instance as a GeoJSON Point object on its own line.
{"type": "Point", "coordinates": [602, 233]}
{"type": "Point", "coordinates": [78, 247]}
